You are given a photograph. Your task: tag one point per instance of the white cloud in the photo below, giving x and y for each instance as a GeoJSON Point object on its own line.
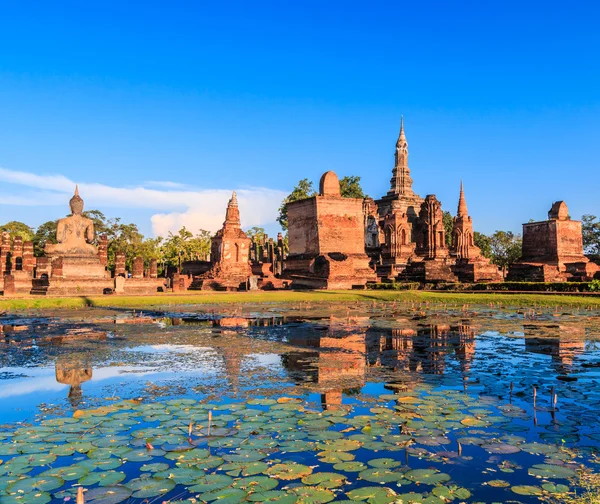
{"type": "Point", "coordinates": [176, 205]}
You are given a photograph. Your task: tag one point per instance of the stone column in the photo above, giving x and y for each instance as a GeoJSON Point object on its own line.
{"type": "Point", "coordinates": [153, 268]}
{"type": "Point", "coordinates": [5, 254]}
{"type": "Point", "coordinates": [120, 264]}
{"type": "Point", "coordinates": [17, 254]}
{"type": "Point", "coordinates": [103, 249]}
{"type": "Point", "coordinates": [28, 257]}
{"type": "Point", "coordinates": [138, 267]}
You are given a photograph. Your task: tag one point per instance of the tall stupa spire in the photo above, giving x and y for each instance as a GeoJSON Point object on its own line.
{"type": "Point", "coordinates": [462, 203]}
{"type": "Point", "coordinates": [232, 216]}
{"type": "Point", "coordinates": [401, 182]}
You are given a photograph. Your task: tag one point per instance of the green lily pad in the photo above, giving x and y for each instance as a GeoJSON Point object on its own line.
{"type": "Point", "coordinates": [325, 480]}
{"type": "Point", "coordinates": [211, 482]}
{"type": "Point", "coordinates": [380, 475]}
{"type": "Point", "coordinates": [555, 489]}
{"type": "Point", "coordinates": [497, 483]}
{"type": "Point", "coordinates": [343, 445]}
{"type": "Point", "coordinates": [244, 469]}
{"type": "Point", "coordinates": [224, 496]}
{"type": "Point", "coordinates": [156, 467]}
{"type": "Point", "coordinates": [27, 498]}
{"type": "Point", "coordinates": [387, 463]}
{"type": "Point", "coordinates": [255, 483]}
{"type": "Point", "coordinates": [104, 478]}
{"type": "Point", "coordinates": [350, 466]}
{"type": "Point", "coordinates": [107, 495]}
{"type": "Point", "coordinates": [289, 471]}
{"type": "Point", "coordinates": [526, 490]}
{"type": "Point", "coordinates": [312, 495]}
{"type": "Point", "coordinates": [552, 471]}
{"type": "Point", "coordinates": [427, 476]}
{"type": "Point", "coordinates": [272, 496]}
{"type": "Point", "coordinates": [150, 487]}
{"type": "Point", "coordinates": [372, 495]}
{"type": "Point", "coordinates": [68, 473]}
{"type": "Point", "coordinates": [409, 498]}
{"type": "Point", "coordinates": [183, 475]}
{"type": "Point", "coordinates": [35, 484]}
{"type": "Point", "coordinates": [335, 457]}
{"type": "Point", "coordinates": [450, 493]}
{"type": "Point", "coordinates": [501, 448]}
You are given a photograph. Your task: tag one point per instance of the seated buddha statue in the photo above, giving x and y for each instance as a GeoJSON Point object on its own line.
{"type": "Point", "coordinates": [74, 233]}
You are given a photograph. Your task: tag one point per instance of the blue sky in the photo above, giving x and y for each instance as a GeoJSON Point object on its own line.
{"type": "Point", "coordinates": [158, 110]}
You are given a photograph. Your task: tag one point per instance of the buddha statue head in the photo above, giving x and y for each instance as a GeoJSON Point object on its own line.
{"type": "Point", "coordinates": [76, 203]}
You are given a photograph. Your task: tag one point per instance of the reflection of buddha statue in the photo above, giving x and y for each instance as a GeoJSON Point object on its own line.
{"type": "Point", "coordinates": [74, 233]}
{"type": "Point", "coordinates": [69, 374]}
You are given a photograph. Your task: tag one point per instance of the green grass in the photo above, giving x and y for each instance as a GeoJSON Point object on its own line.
{"type": "Point", "coordinates": [456, 298]}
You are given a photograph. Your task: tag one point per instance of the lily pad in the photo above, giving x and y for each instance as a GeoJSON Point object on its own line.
{"type": "Point", "coordinates": [325, 480]}
{"type": "Point", "coordinates": [150, 487]}
{"type": "Point", "coordinates": [289, 471]}
{"type": "Point", "coordinates": [527, 490]}
{"type": "Point", "coordinates": [107, 495]}
{"type": "Point", "coordinates": [313, 495]}
{"type": "Point", "coordinates": [372, 495]}
{"type": "Point", "coordinates": [552, 471]}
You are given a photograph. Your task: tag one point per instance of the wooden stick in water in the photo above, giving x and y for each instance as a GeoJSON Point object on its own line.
{"type": "Point", "coordinates": [534, 395]}
{"type": "Point", "coordinates": [209, 421]}
{"type": "Point", "coordinates": [80, 497]}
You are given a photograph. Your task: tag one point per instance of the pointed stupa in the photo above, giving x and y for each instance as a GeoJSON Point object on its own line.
{"type": "Point", "coordinates": [401, 136]}
{"type": "Point", "coordinates": [401, 182]}
{"type": "Point", "coordinates": [76, 190]}
{"type": "Point", "coordinates": [232, 216]}
{"type": "Point", "coordinates": [462, 203]}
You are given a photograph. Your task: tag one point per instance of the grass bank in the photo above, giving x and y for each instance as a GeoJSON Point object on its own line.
{"type": "Point", "coordinates": [199, 298]}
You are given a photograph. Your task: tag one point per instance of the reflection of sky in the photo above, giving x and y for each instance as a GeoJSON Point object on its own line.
{"type": "Point", "coordinates": [161, 349]}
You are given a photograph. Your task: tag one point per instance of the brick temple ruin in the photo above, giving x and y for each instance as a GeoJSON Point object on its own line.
{"type": "Point", "coordinates": [237, 262]}
{"type": "Point", "coordinates": [341, 243]}
{"type": "Point", "coordinates": [334, 242]}
{"type": "Point", "coordinates": [74, 265]}
{"type": "Point", "coordinates": [326, 236]}
{"type": "Point", "coordinates": [553, 250]}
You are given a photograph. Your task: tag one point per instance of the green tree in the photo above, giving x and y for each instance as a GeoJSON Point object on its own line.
{"type": "Point", "coordinates": [484, 242]}
{"type": "Point", "coordinates": [45, 233]}
{"type": "Point", "coordinates": [304, 189]}
{"type": "Point", "coordinates": [185, 246]}
{"type": "Point", "coordinates": [448, 222]}
{"type": "Point", "coordinates": [591, 234]}
{"type": "Point", "coordinates": [199, 246]}
{"type": "Point", "coordinates": [256, 232]}
{"type": "Point", "coordinates": [16, 228]}
{"type": "Point", "coordinates": [350, 187]}
{"type": "Point", "coordinates": [506, 248]}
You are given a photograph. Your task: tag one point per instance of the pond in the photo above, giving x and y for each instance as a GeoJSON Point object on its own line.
{"type": "Point", "coordinates": [364, 402]}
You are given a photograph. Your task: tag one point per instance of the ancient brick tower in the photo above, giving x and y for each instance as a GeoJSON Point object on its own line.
{"type": "Point", "coordinates": [230, 249]}
{"type": "Point", "coordinates": [401, 183]}
{"type": "Point", "coordinates": [431, 235]}
{"type": "Point", "coordinates": [398, 214]}
{"type": "Point", "coordinates": [401, 195]}
{"type": "Point", "coordinates": [470, 265]}
{"type": "Point", "coordinates": [463, 245]}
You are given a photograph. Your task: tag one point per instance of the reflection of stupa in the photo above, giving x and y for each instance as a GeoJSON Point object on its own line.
{"type": "Point", "coordinates": [73, 374]}
{"type": "Point", "coordinates": [338, 366]}
{"type": "Point", "coordinates": [569, 342]}
{"type": "Point", "coordinates": [423, 350]}
{"type": "Point", "coordinates": [465, 349]}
